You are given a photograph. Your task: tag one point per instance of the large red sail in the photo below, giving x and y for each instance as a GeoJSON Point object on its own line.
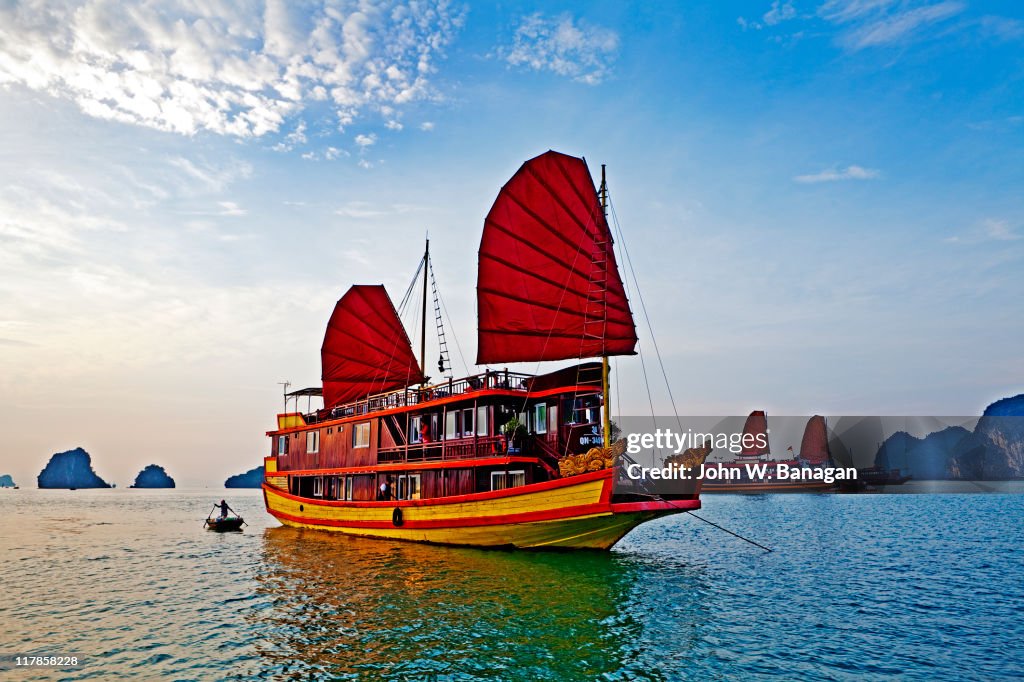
{"type": "Point", "coordinates": [814, 445]}
{"type": "Point", "coordinates": [548, 287]}
{"type": "Point", "coordinates": [755, 433]}
{"type": "Point", "coordinates": [366, 349]}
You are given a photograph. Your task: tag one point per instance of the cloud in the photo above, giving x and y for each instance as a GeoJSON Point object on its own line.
{"type": "Point", "coordinates": [837, 174]}
{"type": "Point", "coordinates": [187, 67]}
{"type": "Point", "coordinates": [230, 208]}
{"type": "Point", "coordinates": [210, 177]}
{"type": "Point", "coordinates": [562, 45]}
{"type": "Point", "coordinates": [427, 126]}
{"type": "Point", "coordinates": [989, 230]}
{"type": "Point", "coordinates": [779, 12]}
{"type": "Point", "coordinates": [874, 23]}
{"type": "Point", "coordinates": [1001, 28]}
{"type": "Point", "coordinates": [364, 210]}
{"type": "Point", "coordinates": [776, 14]}
{"type": "Point", "coordinates": [366, 140]}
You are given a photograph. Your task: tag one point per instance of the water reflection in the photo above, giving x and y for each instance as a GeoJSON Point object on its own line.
{"type": "Point", "coordinates": [345, 607]}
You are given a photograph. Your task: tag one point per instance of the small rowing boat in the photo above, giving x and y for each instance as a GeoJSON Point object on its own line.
{"type": "Point", "coordinates": [225, 524]}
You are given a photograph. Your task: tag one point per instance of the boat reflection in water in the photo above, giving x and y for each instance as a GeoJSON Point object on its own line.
{"type": "Point", "coordinates": [346, 606]}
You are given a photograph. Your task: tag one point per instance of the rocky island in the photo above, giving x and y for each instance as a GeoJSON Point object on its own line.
{"type": "Point", "coordinates": [993, 451]}
{"type": "Point", "coordinates": [70, 469]}
{"type": "Point", "coordinates": [7, 482]}
{"type": "Point", "coordinates": [153, 476]}
{"type": "Point", "coordinates": [250, 479]}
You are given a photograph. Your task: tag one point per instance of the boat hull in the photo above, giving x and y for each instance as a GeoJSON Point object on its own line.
{"type": "Point", "coordinates": [572, 513]}
{"type": "Point", "coordinates": [225, 525]}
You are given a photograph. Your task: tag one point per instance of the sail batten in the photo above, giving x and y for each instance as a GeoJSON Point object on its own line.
{"type": "Point", "coordinates": [366, 349]}
{"type": "Point", "coordinates": [548, 286]}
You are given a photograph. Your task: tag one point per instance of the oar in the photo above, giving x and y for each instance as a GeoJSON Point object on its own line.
{"type": "Point", "coordinates": [207, 521]}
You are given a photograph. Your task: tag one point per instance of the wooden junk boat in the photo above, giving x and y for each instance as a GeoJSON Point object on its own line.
{"type": "Point", "coordinates": [499, 458]}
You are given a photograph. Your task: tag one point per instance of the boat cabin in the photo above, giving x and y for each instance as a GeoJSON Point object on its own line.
{"type": "Point", "coordinates": [453, 438]}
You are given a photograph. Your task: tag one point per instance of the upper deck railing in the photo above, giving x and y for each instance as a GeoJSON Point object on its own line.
{"type": "Point", "coordinates": [407, 397]}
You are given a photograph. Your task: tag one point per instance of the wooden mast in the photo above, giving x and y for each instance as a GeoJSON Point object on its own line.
{"type": "Point", "coordinates": [423, 329]}
{"type": "Point", "coordinates": [607, 421]}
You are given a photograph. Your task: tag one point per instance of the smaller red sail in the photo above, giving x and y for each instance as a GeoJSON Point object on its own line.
{"type": "Point", "coordinates": [755, 433]}
{"type": "Point", "coordinates": [814, 446]}
{"type": "Point", "coordinates": [366, 349]}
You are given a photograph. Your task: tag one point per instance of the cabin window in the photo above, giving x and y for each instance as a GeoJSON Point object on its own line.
{"type": "Point", "coordinates": [318, 486]}
{"type": "Point", "coordinates": [282, 446]}
{"type": "Point", "coordinates": [583, 411]}
{"type": "Point", "coordinates": [540, 418]}
{"type": "Point", "coordinates": [451, 427]}
{"type": "Point", "coordinates": [361, 435]}
{"type": "Point", "coordinates": [553, 419]}
{"type": "Point", "coordinates": [409, 487]}
{"type": "Point", "coordinates": [313, 441]}
{"type": "Point", "coordinates": [467, 423]}
{"type": "Point", "coordinates": [348, 488]}
{"type": "Point", "coordinates": [415, 424]}
{"type": "Point", "coordinates": [481, 420]}
{"type": "Point", "coordinates": [500, 480]}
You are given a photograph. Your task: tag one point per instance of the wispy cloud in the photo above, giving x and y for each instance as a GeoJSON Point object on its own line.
{"type": "Point", "coordinates": [874, 23]}
{"type": "Point", "coordinates": [988, 230]}
{"type": "Point", "coordinates": [210, 177]}
{"type": "Point", "coordinates": [1002, 28]}
{"type": "Point", "coordinates": [901, 26]}
{"type": "Point", "coordinates": [563, 45]}
{"type": "Point", "coordinates": [837, 174]}
{"type": "Point", "coordinates": [364, 210]}
{"type": "Point", "coordinates": [188, 67]}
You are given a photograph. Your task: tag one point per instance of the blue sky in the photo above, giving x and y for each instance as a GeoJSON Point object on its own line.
{"type": "Point", "coordinates": [822, 200]}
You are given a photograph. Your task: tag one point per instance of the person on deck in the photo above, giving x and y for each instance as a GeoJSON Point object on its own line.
{"type": "Point", "coordinates": [384, 492]}
{"type": "Point", "coordinates": [224, 509]}
{"type": "Point", "coordinates": [424, 431]}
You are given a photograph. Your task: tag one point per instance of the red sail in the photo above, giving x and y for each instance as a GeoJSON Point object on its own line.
{"type": "Point", "coordinates": [755, 433]}
{"type": "Point", "coordinates": [366, 349]}
{"type": "Point", "coordinates": [548, 287]}
{"type": "Point", "coordinates": [814, 446]}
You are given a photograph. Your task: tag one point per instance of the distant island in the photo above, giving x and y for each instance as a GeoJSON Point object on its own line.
{"type": "Point", "coordinates": [70, 469]}
{"type": "Point", "coordinates": [994, 450]}
{"type": "Point", "coordinates": [7, 482]}
{"type": "Point", "coordinates": [250, 479]}
{"type": "Point", "coordinates": [153, 476]}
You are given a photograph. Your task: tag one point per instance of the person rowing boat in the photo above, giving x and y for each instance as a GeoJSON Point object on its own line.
{"type": "Point", "coordinates": [224, 522]}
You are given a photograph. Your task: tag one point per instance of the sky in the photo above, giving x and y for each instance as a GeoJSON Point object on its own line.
{"type": "Point", "coordinates": [822, 201]}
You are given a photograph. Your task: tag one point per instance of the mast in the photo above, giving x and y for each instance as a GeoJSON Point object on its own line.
{"type": "Point", "coordinates": [423, 317]}
{"type": "Point", "coordinates": [607, 421]}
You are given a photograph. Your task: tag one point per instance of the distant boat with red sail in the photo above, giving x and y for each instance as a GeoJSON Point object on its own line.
{"type": "Point", "coordinates": [753, 470]}
{"type": "Point", "coordinates": [496, 458]}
